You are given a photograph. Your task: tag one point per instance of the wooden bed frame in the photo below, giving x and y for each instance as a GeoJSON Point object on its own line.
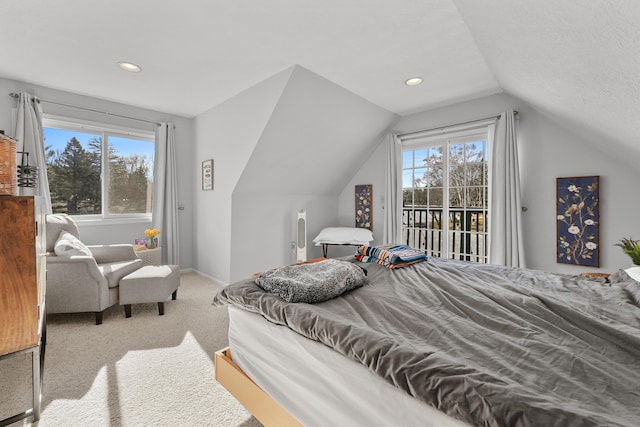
{"type": "Point", "coordinates": [252, 397]}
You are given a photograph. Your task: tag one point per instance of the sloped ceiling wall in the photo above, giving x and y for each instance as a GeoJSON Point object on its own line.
{"type": "Point", "coordinates": [228, 133]}
{"type": "Point", "coordinates": [575, 62]}
{"type": "Point", "coordinates": [318, 135]}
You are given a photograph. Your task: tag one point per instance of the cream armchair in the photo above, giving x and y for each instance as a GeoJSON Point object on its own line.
{"type": "Point", "coordinates": [83, 283]}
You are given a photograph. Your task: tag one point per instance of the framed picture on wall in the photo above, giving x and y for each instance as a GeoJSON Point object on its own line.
{"type": "Point", "coordinates": [207, 175]}
{"type": "Point", "coordinates": [578, 220]}
{"type": "Point", "coordinates": [363, 206]}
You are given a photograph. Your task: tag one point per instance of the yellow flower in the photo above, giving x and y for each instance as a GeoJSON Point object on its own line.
{"type": "Point", "coordinates": [151, 232]}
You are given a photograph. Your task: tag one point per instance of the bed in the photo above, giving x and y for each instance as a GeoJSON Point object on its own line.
{"type": "Point", "coordinates": [443, 343]}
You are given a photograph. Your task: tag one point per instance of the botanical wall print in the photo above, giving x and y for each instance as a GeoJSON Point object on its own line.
{"type": "Point", "coordinates": [363, 206]}
{"type": "Point", "coordinates": [207, 175]}
{"type": "Point", "coordinates": [578, 220]}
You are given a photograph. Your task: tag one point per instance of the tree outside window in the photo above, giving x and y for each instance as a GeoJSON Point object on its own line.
{"type": "Point", "coordinates": [82, 182]}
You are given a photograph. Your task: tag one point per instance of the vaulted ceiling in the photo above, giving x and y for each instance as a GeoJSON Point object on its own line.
{"type": "Point", "coordinates": [577, 62]}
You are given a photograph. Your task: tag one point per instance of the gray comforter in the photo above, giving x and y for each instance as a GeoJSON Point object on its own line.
{"type": "Point", "coordinates": [489, 345]}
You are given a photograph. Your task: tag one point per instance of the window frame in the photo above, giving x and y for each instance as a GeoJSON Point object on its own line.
{"type": "Point", "coordinates": [444, 138]}
{"type": "Point", "coordinates": [104, 130]}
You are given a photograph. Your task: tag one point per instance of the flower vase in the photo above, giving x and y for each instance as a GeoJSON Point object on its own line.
{"type": "Point", "coordinates": [152, 243]}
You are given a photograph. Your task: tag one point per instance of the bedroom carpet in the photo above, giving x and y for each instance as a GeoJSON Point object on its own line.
{"type": "Point", "coordinates": [147, 370]}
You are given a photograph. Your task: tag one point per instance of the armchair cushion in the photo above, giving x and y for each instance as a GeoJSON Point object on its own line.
{"type": "Point", "coordinates": [114, 271]}
{"type": "Point", "coordinates": [68, 245]}
{"type": "Point", "coordinates": [112, 253]}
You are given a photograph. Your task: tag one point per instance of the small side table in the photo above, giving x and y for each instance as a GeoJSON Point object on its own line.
{"type": "Point", "coordinates": [150, 256]}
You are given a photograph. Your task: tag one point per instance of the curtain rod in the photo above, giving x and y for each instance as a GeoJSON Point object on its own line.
{"type": "Point", "coordinates": [15, 95]}
{"type": "Point", "coordinates": [515, 114]}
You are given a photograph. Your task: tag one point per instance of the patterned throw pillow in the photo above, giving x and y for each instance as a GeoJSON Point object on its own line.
{"type": "Point", "coordinates": [391, 256]}
{"type": "Point", "coordinates": [69, 245]}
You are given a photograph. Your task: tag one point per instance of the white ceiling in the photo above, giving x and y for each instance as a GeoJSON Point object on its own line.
{"type": "Point", "coordinates": [576, 61]}
{"type": "Point", "coordinates": [196, 54]}
{"type": "Point", "coordinates": [573, 60]}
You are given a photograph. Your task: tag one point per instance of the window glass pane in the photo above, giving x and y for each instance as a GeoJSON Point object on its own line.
{"type": "Point", "coordinates": [412, 237]}
{"type": "Point", "coordinates": [435, 219]}
{"type": "Point", "coordinates": [420, 157]}
{"type": "Point", "coordinates": [456, 154]}
{"type": "Point", "coordinates": [435, 197]}
{"type": "Point", "coordinates": [454, 244]}
{"type": "Point", "coordinates": [73, 170]}
{"type": "Point", "coordinates": [434, 247]}
{"type": "Point", "coordinates": [407, 197]}
{"type": "Point", "coordinates": [475, 197]}
{"type": "Point", "coordinates": [407, 218]}
{"type": "Point", "coordinates": [456, 197]}
{"type": "Point", "coordinates": [130, 175]}
{"type": "Point", "coordinates": [407, 178]}
{"type": "Point", "coordinates": [420, 217]}
{"type": "Point", "coordinates": [420, 197]}
{"type": "Point", "coordinates": [407, 159]}
{"type": "Point", "coordinates": [475, 174]}
{"type": "Point", "coordinates": [435, 176]}
{"type": "Point", "coordinates": [420, 177]}
{"type": "Point", "coordinates": [435, 156]}
{"type": "Point", "coordinates": [485, 175]}
{"type": "Point", "coordinates": [474, 152]}
{"type": "Point", "coordinates": [456, 175]}
{"type": "Point", "coordinates": [478, 223]}
{"type": "Point", "coordinates": [455, 220]}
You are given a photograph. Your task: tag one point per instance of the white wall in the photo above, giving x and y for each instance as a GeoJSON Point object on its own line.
{"type": "Point", "coordinates": [263, 234]}
{"type": "Point", "coordinates": [547, 150]}
{"type": "Point", "coordinates": [372, 172]}
{"type": "Point", "coordinates": [227, 134]}
{"type": "Point", "coordinates": [117, 232]}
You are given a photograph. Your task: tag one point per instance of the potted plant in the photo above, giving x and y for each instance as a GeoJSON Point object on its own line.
{"type": "Point", "coordinates": [632, 248]}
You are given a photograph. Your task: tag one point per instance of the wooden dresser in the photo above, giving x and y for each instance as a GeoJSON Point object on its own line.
{"type": "Point", "coordinates": [22, 287]}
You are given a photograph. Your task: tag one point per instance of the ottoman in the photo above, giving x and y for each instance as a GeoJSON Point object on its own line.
{"type": "Point", "coordinates": [151, 283]}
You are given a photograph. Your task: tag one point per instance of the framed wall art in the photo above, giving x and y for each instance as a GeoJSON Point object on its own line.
{"type": "Point", "coordinates": [578, 220]}
{"type": "Point", "coordinates": [363, 206]}
{"type": "Point", "coordinates": [207, 175]}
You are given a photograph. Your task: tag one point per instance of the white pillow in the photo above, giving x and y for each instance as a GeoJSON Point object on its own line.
{"type": "Point", "coordinates": [634, 273]}
{"type": "Point", "coordinates": [69, 245]}
{"type": "Point", "coordinates": [344, 236]}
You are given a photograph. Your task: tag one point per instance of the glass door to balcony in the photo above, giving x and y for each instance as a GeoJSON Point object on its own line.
{"type": "Point", "coordinates": [445, 196]}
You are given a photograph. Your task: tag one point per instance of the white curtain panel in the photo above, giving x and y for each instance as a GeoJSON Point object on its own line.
{"type": "Point", "coordinates": [505, 224]}
{"type": "Point", "coordinates": [165, 193]}
{"type": "Point", "coordinates": [393, 192]}
{"type": "Point", "coordinates": [30, 137]}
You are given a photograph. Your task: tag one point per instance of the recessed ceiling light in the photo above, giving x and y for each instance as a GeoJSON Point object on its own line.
{"type": "Point", "coordinates": [413, 81]}
{"type": "Point", "coordinates": [128, 66]}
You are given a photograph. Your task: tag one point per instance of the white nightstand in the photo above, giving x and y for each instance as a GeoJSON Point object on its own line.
{"type": "Point", "coordinates": [150, 256]}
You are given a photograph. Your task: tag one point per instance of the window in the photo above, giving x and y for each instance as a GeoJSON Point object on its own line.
{"type": "Point", "coordinates": [445, 194]}
{"type": "Point", "coordinates": [85, 181]}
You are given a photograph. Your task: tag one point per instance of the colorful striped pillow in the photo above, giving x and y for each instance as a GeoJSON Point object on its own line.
{"type": "Point", "coordinates": [390, 256]}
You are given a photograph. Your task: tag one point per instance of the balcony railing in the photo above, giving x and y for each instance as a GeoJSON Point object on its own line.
{"type": "Point", "coordinates": [467, 235]}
